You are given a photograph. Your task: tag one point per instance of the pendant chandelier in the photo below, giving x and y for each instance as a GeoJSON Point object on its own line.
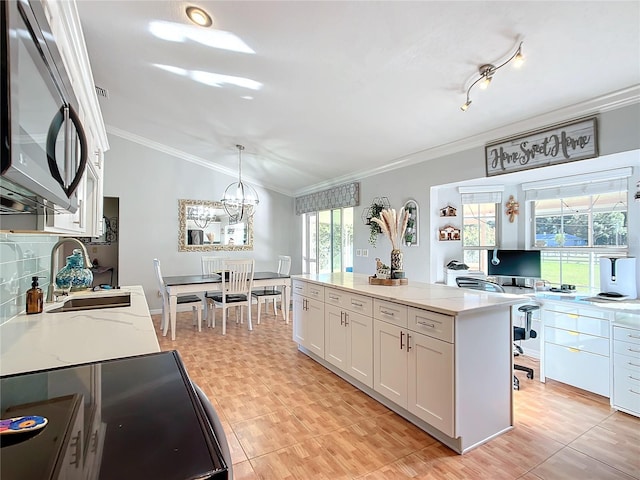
{"type": "Point", "coordinates": [240, 199]}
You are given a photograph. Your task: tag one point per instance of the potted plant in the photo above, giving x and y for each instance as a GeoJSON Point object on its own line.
{"type": "Point", "coordinates": [374, 229]}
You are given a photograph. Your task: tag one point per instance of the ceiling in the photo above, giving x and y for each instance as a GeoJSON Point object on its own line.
{"type": "Point", "coordinates": [336, 90]}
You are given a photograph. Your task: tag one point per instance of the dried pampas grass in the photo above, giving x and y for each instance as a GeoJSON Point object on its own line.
{"type": "Point", "coordinates": [389, 225]}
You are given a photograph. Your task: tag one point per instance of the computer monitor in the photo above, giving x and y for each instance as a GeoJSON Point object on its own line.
{"type": "Point", "coordinates": [514, 264]}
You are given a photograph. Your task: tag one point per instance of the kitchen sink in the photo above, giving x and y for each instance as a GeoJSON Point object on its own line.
{"type": "Point", "coordinates": [93, 303]}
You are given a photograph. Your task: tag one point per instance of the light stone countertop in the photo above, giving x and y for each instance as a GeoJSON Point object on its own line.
{"type": "Point", "coordinates": [435, 297]}
{"type": "Point", "coordinates": [47, 340]}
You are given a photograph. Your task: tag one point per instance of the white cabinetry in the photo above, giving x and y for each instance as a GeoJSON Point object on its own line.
{"type": "Point", "coordinates": [308, 316]}
{"type": "Point", "coordinates": [414, 362]}
{"type": "Point", "coordinates": [447, 371]}
{"type": "Point", "coordinates": [576, 346]}
{"type": "Point", "coordinates": [349, 334]}
{"type": "Point", "coordinates": [626, 369]}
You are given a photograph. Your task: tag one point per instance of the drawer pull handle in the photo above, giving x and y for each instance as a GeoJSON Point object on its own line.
{"type": "Point", "coordinates": [356, 304]}
{"type": "Point", "coordinates": [333, 297]}
{"type": "Point", "coordinates": [430, 325]}
{"type": "Point", "coordinates": [574, 350]}
{"type": "Point", "coordinates": [385, 312]}
{"type": "Point", "coordinates": [346, 318]}
{"type": "Point", "coordinates": [341, 318]}
{"type": "Point", "coordinates": [401, 336]}
{"type": "Point", "coordinates": [633, 364]}
{"type": "Point", "coordinates": [632, 350]}
{"type": "Point", "coordinates": [633, 391]}
{"type": "Point", "coordinates": [633, 336]}
{"type": "Point", "coordinates": [408, 342]}
{"type": "Point", "coordinates": [633, 378]}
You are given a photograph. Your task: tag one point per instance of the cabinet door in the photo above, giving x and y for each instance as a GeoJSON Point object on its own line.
{"type": "Point", "coordinates": [315, 326]}
{"type": "Point", "coordinates": [335, 337]}
{"type": "Point", "coordinates": [360, 347]}
{"type": "Point", "coordinates": [431, 374]}
{"type": "Point", "coordinates": [299, 319]}
{"type": "Point", "coordinates": [390, 362]}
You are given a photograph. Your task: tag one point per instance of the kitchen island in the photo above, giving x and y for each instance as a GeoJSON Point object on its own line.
{"type": "Point", "coordinates": [49, 340]}
{"type": "Point", "coordinates": [439, 356]}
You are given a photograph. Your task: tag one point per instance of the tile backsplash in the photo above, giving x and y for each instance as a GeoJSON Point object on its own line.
{"type": "Point", "coordinates": [22, 257]}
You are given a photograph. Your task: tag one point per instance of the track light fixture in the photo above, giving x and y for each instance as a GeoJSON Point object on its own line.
{"type": "Point", "coordinates": [487, 71]}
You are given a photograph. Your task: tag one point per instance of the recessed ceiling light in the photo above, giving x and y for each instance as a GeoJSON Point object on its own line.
{"type": "Point", "coordinates": [199, 16]}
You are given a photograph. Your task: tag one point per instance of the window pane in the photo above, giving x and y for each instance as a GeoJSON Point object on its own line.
{"type": "Point", "coordinates": [324, 241]}
{"type": "Point", "coordinates": [479, 224]}
{"type": "Point", "coordinates": [336, 241]}
{"type": "Point", "coordinates": [575, 232]}
{"type": "Point", "coordinates": [347, 239]}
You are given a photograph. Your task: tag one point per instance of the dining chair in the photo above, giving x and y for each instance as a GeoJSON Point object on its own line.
{"type": "Point", "coordinates": [267, 294]}
{"type": "Point", "coordinates": [211, 265]}
{"type": "Point", "coordinates": [237, 280]}
{"type": "Point", "coordinates": [193, 300]}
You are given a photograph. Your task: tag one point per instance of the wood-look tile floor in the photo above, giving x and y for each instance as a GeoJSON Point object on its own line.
{"type": "Point", "coordinates": [287, 417]}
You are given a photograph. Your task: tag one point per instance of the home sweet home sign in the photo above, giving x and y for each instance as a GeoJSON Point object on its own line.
{"type": "Point", "coordinates": [568, 142]}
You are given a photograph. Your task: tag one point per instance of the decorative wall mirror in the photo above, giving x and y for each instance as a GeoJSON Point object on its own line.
{"type": "Point", "coordinates": [205, 226]}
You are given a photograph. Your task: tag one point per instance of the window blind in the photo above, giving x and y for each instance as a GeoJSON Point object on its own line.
{"type": "Point", "coordinates": [579, 185]}
{"type": "Point", "coordinates": [481, 197]}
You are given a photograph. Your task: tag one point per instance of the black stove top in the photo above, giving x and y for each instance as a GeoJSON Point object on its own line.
{"type": "Point", "coordinates": [137, 417]}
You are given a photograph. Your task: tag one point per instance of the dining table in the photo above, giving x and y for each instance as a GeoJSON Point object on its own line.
{"type": "Point", "coordinates": [193, 284]}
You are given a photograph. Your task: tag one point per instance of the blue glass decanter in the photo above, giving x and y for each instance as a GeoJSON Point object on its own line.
{"type": "Point", "coordinates": [74, 274]}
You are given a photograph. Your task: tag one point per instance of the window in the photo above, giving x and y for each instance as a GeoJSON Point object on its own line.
{"type": "Point", "coordinates": [327, 241]}
{"type": "Point", "coordinates": [574, 227]}
{"type": "Point", "coordinates": [480, 222]}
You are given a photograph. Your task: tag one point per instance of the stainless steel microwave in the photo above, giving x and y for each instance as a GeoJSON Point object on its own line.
{"type": "Point", "coordinates": [43, 147]}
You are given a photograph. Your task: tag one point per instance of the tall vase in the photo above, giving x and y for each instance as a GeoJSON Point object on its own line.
{"type": "Point", "coordinates": [396, 260]}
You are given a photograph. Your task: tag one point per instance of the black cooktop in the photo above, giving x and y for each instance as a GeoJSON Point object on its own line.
{"type": "Point", "coordinates": [137, 417]}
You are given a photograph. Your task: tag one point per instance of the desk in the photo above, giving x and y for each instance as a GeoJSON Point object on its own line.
{"type": "Point", "coordinates": [186, 284]}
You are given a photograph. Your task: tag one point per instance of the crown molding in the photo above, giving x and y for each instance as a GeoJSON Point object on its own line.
{"type": "Point", "coordinates": [174, 152]}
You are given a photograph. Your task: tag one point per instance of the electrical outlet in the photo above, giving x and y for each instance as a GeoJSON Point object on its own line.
{"type": "Point", "coordinates": [365, 252]}
{"type": "Point", "coordinates": [159, 293]}
{"type": "Point", "coordinates": [358, 252]}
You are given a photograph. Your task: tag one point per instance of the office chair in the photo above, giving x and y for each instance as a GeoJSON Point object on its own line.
{"type": "Point", "coordinates": [523, 333]}
{"type": "Point", "coordinates": [519, 333]}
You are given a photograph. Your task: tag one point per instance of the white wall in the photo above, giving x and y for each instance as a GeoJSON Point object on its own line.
{"type": "Point", "coordinates": [149, 184]}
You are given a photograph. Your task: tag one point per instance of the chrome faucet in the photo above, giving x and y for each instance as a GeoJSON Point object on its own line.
{"type": "Point", "coordinates": [54, 266]}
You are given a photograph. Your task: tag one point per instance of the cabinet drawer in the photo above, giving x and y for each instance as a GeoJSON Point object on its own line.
{"type": "Point", "coordinates": [628, 363]}
{"type": "Point", "coordinates": [581, 311]}
{"type": "Point", "coordinates": [626, 387]}
{"type": "Point", "coordinates": [349, 301]}
{"type": "Point", "coordinates": [433, 324]}
{"type": "Point", "coordinates": [577, 323]}
{"type": "Point", "coordinates": [577, 341]}
{"type": "Point", "coordinates": [629, 350]}
{"type": "Point", "coordinates": [315, 291]}
{"type": "Point", "coordinates": [390, 312]}
{"type": "Point", "coordinates": [626, 335]}
{"type": "Point", "coordinates": [581, 369]}
{"type": "Point", "coordinates": [299, 287]}
{"type": "Point", "coordinates": [308, 289]}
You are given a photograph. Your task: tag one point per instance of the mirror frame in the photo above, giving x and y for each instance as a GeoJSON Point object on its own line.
{"type": "Point", "coordinates": [182, 231]}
